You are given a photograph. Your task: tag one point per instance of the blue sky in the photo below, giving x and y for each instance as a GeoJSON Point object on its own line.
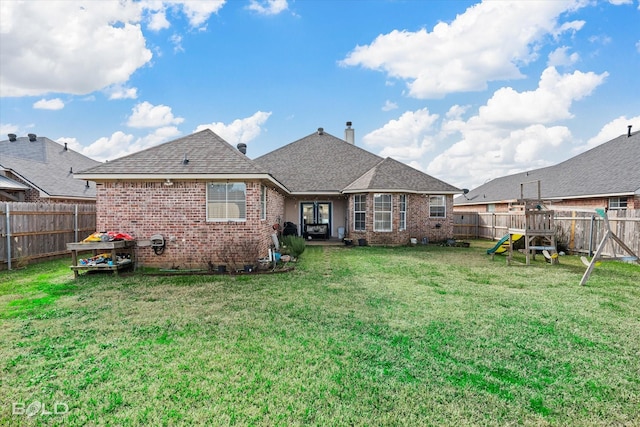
{"type": "Point", "coordinates": [465, 91]}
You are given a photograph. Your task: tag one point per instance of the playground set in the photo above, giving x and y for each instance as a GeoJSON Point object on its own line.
{"type": "Point", "coordinates": [532, 222]}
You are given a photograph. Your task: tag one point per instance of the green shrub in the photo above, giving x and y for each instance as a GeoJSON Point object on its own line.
{"type": "Point", "coordinates": [294, 245]}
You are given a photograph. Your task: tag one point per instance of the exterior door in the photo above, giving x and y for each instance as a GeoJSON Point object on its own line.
{"type": "Point", "coordinates": [315, 213]}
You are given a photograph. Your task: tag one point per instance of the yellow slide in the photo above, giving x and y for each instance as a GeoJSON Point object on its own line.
{"type": "Point", "coordinates": [503, 244]}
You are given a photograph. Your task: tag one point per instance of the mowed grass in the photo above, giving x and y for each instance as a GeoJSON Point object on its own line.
{"type": "Point", "coordinates": [410, 336]}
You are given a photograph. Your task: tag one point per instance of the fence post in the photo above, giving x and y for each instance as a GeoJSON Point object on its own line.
{"type": "Point", "coordinates": [75, 224]}
{"type": "Point", "coordinates": [8, 237]}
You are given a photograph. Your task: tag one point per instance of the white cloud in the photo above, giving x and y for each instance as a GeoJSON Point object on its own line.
{"type": "Point", "coordinates": [158, 20]}
{"type": "Point", "coordinates": [121, 144]}
{"type": "Point", "coordinates": [240, 130]}
{"type": "Point", "coordinates": [406, 138]}
{"type": "Point", "coordinates": [72, 143]}
{"type": "Point", "coordinates": [198, 12]}
{"type": "Point", "coordinates": [6, 128]}
{"type": "Point", "coordinates": [389, 105]}
{"type": "Point", "coordinates": [147, 115]}
{"type": "Point", "coordinates": [121, 92]}
{"type": "Point", "coordinates": [176, 41]}
{"type": "Point", "coordinates": [513, 131]}
{"type": "Point", "coordinates": [73, 46]}
{"type": "Point", "coordinates": [560, 57]}
{"type": "Point", "coordinates": [611, 130]}
{"type": "Point", "coordinates": [49, 104]}
{"type": "Point", "coordinates": [548, 103]}
{"type": "Point", "coordinates": [109, 148]}
{"type": "Point", "coordinates": [488, 42]}
{"type": "Point", "coordinates": [268, 7]}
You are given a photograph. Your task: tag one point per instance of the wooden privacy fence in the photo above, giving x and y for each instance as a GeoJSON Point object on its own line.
{"type": "Point", "coordinates": [30, 231]}
{"type": "Point", "coordinates": [578, 232]}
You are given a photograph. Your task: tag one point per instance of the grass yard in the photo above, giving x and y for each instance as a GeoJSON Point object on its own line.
{"type": "Point", "coordinates": [353, 336]}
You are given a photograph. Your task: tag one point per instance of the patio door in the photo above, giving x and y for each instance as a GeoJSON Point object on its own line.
{"type": "Point", "coordinates": [315, 213]}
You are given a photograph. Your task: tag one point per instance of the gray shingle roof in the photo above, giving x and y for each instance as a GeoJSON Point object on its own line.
{"type": "Point", "coordinates": [46, 165]}
{"type": "Point", "coordinates": [318, 163]}
{"type": "Point", "coordinates": [608, 169]}
{"type": "Point", "coordinates": [207, 154]}
{"type": "Point", "coordinates": [321, 162]}
{"type": "Point", "coordinates": [392, 175]}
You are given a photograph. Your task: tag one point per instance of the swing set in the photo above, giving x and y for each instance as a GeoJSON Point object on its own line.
{"type": "Point", "coordinates": [608, 237]}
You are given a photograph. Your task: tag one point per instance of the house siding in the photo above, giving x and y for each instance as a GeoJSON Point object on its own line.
{"type": "Point", "coordinates": [419, 224]}
{"type": "Point", "coordinates": [178, 213]}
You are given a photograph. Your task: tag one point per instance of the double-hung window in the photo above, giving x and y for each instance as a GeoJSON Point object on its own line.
{"type": "Point", "coordinates": [403, 212]}
{"type": "Point", "coordinates": [437, 207]}
{"type": "Point", "coordinates": [226, 201]}
{"type": "Point", "coordinates": [382, 212]}
{"type": "Point", "coordinates": [359, 212]}
{"type": "Point", "coordinates": [617, 203]}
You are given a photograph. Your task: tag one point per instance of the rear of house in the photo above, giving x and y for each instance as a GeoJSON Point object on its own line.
{"type": "Point", "coordinates": [213, 205]}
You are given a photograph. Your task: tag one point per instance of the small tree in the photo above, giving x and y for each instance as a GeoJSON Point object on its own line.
{"type": "Point", "coordinates": [294, 245]}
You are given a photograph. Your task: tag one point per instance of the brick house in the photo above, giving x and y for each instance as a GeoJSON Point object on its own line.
{"type": "Point", "coordinates": [37, 169]}
{"type": "Point", "coordinates": [214, 205]}
{"type": "Point", "coordinates": [607, 176]}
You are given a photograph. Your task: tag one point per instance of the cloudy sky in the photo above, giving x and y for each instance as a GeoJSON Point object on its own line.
{"type": "Point", "coordinates": [466, 91]}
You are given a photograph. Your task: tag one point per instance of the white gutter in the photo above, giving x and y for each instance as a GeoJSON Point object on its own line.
{"type": "Point", "coordinates": [174, 177]}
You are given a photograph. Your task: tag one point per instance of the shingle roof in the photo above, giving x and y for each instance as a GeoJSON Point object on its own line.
{"type": "Point", "coordinates": [47, 166]}
{"type": "Point", "coordinates": [608, 169]}
{"type": "Point", "coordinates": [392, 175]}
{"type": "Point", "coordinates": [319, 162]}
{"type": "Point", "coordinates": [207, 154]}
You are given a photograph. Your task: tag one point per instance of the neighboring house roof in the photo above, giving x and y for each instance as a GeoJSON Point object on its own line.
{"type": "Point", "coordinates": [323, 163]}
{"type": "Point", "coordinates": [391, 175]}
{"type": "Point", "coordinates": [608, 170]}
{"type": "Point", "coordinates": [11, 185]}
{"type": "Point", "coordinates": [47, 167]}
{"type": "Point", "coordinates": [200, 155]}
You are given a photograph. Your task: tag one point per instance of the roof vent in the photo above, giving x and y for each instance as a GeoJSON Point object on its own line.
{"type": "Point", "coordinates": [320, 131]}
{"type": "Point", "coordinates": [242, 147]}
{"type": "Point", "coordinates": [65, 147]}
{"type": "Point", "coordinates": [185, 161]}
{"type": "Point", "coordinates": [629, 130]}
{"type": "Point", "coordinates": [12, 137]}
{"type": "Point", "coordinates": [32, 137]}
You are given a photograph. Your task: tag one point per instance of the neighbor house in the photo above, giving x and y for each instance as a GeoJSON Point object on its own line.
{"type": "Point", "coordinates": [214, 205]}
{"type": "Point", "coordinates": [607, 176]}
{"type": "Point", "coordinates": [37, 169]}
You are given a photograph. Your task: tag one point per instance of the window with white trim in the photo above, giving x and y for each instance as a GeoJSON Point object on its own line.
{"type": "Point", "coordinates": [437, 207]}
{"type": "Point", "coordinates": [359, 212]}
{"type": "Point", "coordinates": [617, 203]}
{"type": "Point", "coordinates": [227, 201]}
{"type": "Point", "coordinates": [263, 202]}
{"type": "Point", "coordinates": [382, 212]}
{"type": "Point", "coordinates": [403, 212]}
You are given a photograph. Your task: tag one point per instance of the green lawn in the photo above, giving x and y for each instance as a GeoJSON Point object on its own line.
{"type": "Point", "coordinates": [353, 336]}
